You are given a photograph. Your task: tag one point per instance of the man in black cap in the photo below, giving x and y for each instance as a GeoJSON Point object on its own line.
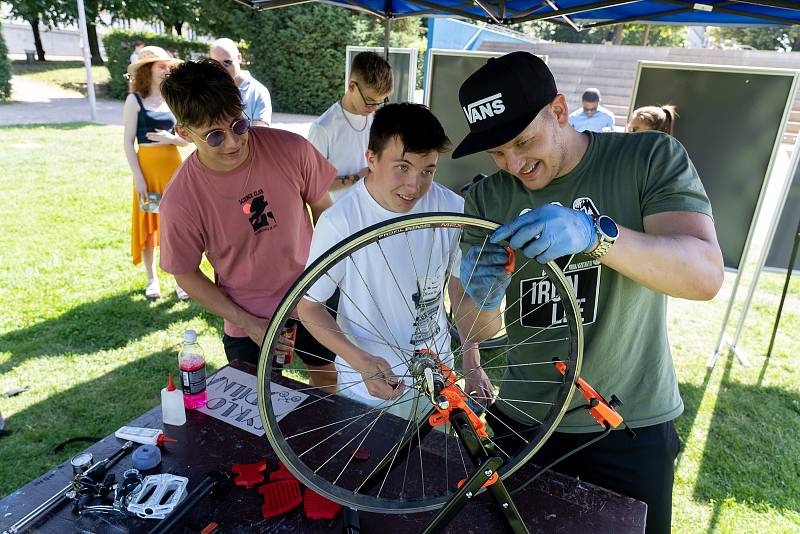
{"type": "Point", "coordinates": [630, 219]}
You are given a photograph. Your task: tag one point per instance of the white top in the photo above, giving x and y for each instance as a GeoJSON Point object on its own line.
{"type": "Point", "coordinates": [383, 309]}
{"type": "Point", "coordinates": [342, 137]}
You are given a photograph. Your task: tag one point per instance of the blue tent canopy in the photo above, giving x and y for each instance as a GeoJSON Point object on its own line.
{"type": "Point", "coordinates": [580, 14]}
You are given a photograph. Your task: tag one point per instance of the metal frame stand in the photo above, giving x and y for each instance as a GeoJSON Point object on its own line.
{"type": "Point", "coordinates": [789, 271]}
{"type": "Point", "coordinates": [762, 259]}
{"type": "Point", "coordinates": [486, 460]}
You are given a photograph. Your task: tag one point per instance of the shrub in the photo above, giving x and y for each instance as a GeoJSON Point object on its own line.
{"type": "Point", "coordinates": [119, 46]}
{"type": "Point", "coordinates": [5, 69]}
{"type": "Point", "coordinates": [298, 52]}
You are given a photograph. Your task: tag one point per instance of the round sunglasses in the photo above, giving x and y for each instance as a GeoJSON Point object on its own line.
{"type": "Point", "coordinates": [216, 137]}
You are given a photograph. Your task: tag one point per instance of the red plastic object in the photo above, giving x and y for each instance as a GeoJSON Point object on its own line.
{"type": "Point", "coordinates": [315, 506]}
{"type": "Point", "coordinates": [280, 497]}
{"type": "Point", "coordinates": [281, 473]}
{"type": "Point", "coordinates": [361, 453]}
{"type": "Point", "coordinates": [249, 474]}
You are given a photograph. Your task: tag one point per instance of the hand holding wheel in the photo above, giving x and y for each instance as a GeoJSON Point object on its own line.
{"type": "Point", "coordinates": [485, 276]}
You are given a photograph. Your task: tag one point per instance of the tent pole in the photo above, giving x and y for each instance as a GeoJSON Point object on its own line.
{"type": "Point", "coordinates": [86, 60]}
{"type": "Point", "coordinates": [387, 32]}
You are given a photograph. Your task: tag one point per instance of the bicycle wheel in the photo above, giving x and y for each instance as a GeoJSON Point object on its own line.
{"type": "Point", "coordinates": [345, 446]}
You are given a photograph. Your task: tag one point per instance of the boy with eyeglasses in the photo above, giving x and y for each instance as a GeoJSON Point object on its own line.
{"type": "Point", "coordinates": [241, 199]}
{"type": "Point", "coordinates": [256, 99]}
{"type": "Point", "coordinates": [341, 133]}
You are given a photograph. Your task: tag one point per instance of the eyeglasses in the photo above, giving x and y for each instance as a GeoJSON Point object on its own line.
{"type": "Point", "coordinates": [371, 103]}
{"type": "Point", "coordinates": [215, 138]}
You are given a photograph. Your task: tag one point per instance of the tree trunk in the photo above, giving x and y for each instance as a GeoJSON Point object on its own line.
{"type": "Point", "coordinates": [37, 39]}
{"type": "Point", "coordinates": [618, 34]}
{"type": "Point", "coordinates": [178, 28]}
{"type": "Point", "coordinates": [94, 45]}
{"type": "Point", "coordinates": [646, 35]}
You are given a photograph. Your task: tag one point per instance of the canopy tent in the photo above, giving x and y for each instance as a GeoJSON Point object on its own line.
{"type": "Point", "coordinates": [580, 14]}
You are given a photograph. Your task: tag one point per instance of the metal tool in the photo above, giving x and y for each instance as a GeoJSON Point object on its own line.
{"type": "Point", "coordinates": [215, 482]}
{"type": "Point", "coordinates": [61, 496]}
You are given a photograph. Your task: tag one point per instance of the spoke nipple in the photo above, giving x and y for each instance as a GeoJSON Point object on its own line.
{"type": "Point", "coordinates": [469, 495]}
{"type": "Point", "coordinates": [488, 472]}
{"type": "Point", "coordinates": [505, 505]}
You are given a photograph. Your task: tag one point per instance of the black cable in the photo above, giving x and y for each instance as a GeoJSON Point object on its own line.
{"type": "Point", "coordinates": [60, 447]}
{"type": "Point", "coordinates": [563, 457]}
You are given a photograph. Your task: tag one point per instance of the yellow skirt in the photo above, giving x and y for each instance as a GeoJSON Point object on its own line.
{"type": "Point", "coordinates": [158, 164]}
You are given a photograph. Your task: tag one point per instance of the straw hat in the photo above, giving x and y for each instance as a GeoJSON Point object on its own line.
{"type": "Point", "coordinates": [149, 54]}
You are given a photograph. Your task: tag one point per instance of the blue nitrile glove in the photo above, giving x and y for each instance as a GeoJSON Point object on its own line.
{"type": "Point", "coordinates": [548, 232]}
{"type": "Point", "coordinates": [484, 276]}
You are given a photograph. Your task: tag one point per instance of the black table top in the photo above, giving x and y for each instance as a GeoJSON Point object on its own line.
{"type": "Point", "coordinates": [553, 503]}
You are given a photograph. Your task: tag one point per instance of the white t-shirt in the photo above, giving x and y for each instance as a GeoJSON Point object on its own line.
{"type": "Point", "coordinates": [342, 137]}
{"type": "Point", "coordinates": [380, 311]}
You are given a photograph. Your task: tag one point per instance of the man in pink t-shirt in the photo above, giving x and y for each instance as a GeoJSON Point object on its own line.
{"type": "Point", "coordinates": [241, 199]}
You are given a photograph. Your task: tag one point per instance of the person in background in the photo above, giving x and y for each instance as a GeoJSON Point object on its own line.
{"type": "Point", "coordinates": [341, 134]}
{"type": "Point", "coordinates": [659, 118]}
{"type": "Point", "coordinates": [592, 117]}
{"type": "Point", "coordinates": [241, 199]}
{"type": "Point", "coordinates": [255, 97]}
{"type": "Point", "coordinates": [137, 47]}
{"type": "Point", "coordinates": [150, 124]}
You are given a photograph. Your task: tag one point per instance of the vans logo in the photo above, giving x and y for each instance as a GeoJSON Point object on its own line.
{"type": "Point", "coordinates": [485, 108]}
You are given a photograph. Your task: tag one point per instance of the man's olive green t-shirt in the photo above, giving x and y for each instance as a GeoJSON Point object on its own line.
{"type": "Point", "coordinates": [626, 351]}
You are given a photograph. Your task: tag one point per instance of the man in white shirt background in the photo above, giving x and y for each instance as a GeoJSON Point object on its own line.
{"type": "Point", "coordinates": [386, 293]}
{"type": "Point", "coordinates": [341, 133]}
{"type": "Point", "coordinates": [255, 97]}
{"type": "Point", "coordinates": [591, 116]}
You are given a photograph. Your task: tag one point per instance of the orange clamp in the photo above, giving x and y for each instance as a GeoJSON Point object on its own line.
{"type": "Point", "coordinates": [456, 399]}
{"type": "Point", "coordinates": [603, 412]}
{"type": "Point", "coordinates": [512, 259]}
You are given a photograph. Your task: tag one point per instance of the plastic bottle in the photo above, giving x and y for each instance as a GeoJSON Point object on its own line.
{"type": "Point", "coordinates": [148, 436]}
{"type": "Point", "coordinates": [192, 363]}
{"type": "Point", "coordinates": [172, 410]}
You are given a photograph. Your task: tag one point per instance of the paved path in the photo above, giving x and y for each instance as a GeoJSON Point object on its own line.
{"type": "Point", "coordinates": [40, 103]}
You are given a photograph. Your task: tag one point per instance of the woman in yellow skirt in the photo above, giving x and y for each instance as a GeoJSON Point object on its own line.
{"type": "Point", "coordinates": [150, 124]}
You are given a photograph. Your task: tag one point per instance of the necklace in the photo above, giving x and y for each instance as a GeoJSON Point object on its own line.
{"type": "Point", "coordinates": [344, 114]}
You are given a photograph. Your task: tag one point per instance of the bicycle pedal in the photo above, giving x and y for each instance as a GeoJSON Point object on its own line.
{"type": "Point", "coordinates": [280, 497]}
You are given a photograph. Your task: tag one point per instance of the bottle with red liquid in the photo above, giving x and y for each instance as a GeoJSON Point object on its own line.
{"type": "Point", "coordinates": [192, 363]}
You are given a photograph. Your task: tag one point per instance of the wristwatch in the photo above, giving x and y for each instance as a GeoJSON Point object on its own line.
{"type": "Point", "coordinates": [607, 233]}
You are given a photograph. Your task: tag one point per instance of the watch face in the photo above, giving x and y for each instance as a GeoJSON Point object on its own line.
{"type": "Point", "coordinates": [608, 226]}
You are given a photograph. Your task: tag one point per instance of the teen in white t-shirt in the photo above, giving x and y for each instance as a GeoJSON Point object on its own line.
{"type": "Point", "coordinates": [341, 133]}
{"type": "Point", "coordinates": [391, 295]}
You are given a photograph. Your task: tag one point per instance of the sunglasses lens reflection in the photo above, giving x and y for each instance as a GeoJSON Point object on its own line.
{"type": "Point", "coordinates": [240, 127]}
{"type": "Point", "coordinates": [215, 138]}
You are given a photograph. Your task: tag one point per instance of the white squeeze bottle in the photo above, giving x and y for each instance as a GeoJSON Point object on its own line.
{"type": "Point", "coordinates": [172, 410]}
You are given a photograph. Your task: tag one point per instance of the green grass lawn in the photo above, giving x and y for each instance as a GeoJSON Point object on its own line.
{"type": "Point", "coordinates": [70, 75]}
{"type": "Point", "coordinates": [76, 330]}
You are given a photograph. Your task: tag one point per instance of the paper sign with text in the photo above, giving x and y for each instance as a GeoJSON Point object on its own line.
{"type": "Point", "coordinates": [233, 398]}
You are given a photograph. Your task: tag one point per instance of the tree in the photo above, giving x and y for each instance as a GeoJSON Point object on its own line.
{"type": "Point", "coordinates": [782, 38]}
{"type": "Point", "coordinates": [172, 13]}
{"type": "Point", "coordinates": [5, 69]}
{"type": "Point", "coordinates": [33, 12]}
{"type": "Point", "coordinates": [92, 8]}
{"type": "Point", "coordinates": [626, 34]}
